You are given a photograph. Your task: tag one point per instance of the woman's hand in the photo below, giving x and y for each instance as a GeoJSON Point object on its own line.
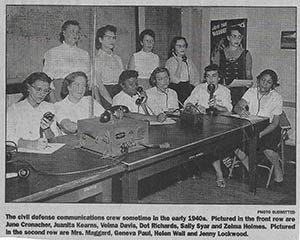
{"type": "Point", "coordinates": [161, 117]}
{"type": "Point", "coordinates": [45, 122]}
{"type": "Point", "coordinates": [68, 126]}
{"type": "Point", "coordinates": [212, 102]}
{"type": "Point", "coordinates": [39, 144]}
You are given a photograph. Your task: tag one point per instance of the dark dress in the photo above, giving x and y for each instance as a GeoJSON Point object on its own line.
{"type": "Point", "coordinates": [234, 70]}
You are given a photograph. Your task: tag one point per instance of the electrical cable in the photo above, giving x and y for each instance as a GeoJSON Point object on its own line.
{"type": "Point", "coordinates": [115, 161]}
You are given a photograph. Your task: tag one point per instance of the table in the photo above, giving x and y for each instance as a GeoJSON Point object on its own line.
{"type": "Point", "coordinates": [220, 134]}
{"type": "Point", "coordinates": [39, 187]}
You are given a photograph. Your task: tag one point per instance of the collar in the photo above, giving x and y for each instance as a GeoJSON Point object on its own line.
{"type": "Point", "coordinates": [100, 51]}
{"type": "Point", "coordinates": [161, 91]}
{"type": "Point", "coordinates": [68, 46]}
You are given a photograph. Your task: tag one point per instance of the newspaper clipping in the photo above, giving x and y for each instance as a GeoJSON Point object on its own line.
{"type": "Point", "coordinates": [117, 123]}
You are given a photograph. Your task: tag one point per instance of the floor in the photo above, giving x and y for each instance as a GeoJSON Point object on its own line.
{"type": "Point", "coordinates": [200, 187]}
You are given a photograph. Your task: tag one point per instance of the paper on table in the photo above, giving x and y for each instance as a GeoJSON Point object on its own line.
{"type": "Point", "coordinates": [240, 83]}
{"type": "Point", "coordinates": [252, 118]}
{"type": "Point", "coordinates": [51, 148]}
{"type": "Point", "coordinates": [168, 121]}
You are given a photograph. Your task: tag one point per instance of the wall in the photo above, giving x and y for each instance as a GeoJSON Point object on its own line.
{"type": "Point", "coordinates": [166, 23]}
{"type": "Point", "coordinates": [264, 31]}
{"type": "Point", "coordinates": [32, 30]}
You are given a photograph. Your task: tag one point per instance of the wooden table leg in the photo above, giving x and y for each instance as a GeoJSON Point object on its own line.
{"type": "Point", "coordinates": [252, 162]}
{"type": "Point", "coordinates": [130, 187]}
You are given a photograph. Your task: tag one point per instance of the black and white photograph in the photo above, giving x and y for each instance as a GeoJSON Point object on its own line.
{"type": "Point", "coordinates": [149, 121]}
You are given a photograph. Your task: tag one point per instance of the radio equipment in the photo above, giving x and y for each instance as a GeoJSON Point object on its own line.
{"type": "Point", "coordinates": [191, 116]}
{"type": "Point", "coordinates": [114, 137]}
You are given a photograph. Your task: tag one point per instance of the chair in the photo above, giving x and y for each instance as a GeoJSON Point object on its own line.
{"type": "Point", "coordinates": [285, 127]}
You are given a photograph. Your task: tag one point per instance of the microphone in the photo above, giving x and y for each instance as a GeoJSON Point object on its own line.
{"type": "Point", "coordinates": [211, 89]}
{"type": "Point", "coordinates": [140, 99]}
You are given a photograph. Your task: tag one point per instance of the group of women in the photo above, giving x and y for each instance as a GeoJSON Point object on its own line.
{"type": "Point", "coordinates": [66, 79]}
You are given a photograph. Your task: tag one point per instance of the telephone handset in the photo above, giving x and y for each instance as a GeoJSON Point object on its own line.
{"type": "Point", "coordinates": [141, 98]}
{"type": "Point", "coordinates": [106, 116]}
{"type": "Point", "coordinates": [184, 57]}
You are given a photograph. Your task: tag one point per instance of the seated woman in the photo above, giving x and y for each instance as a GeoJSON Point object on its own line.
{"type": "Point", "coordinates": [27, 122]}
{"type": "Point", "coordinates": [75, 105]}
{"type": "Point", "coordinates": [145, 61]}
{"type": "Point", "coordinates": [160, 97]}
{"type": "Point", "coordinates": [266, 102]}
{"type": "Point", "coordinates": [135, 101]}
{"type": "Point", "coordinates": [221, 100]}
{"type": "Point", "coordinates": [184, 75]}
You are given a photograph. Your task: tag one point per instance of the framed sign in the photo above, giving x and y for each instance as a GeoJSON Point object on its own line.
{"type": "Point", "coordinates": [288, 40]}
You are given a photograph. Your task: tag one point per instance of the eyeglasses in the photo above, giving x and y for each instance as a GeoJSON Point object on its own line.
{"type": "Point", "coordinates": [109, 37]}
{"type": "Point", "coordinates": [40, 90]}
{"type": "Point", "coordinates": [180, 46]}
{"type": "Point", "coordinates": [236, 36]}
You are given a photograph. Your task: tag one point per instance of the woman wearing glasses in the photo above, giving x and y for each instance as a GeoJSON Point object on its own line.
{"type": "Point", "coordinates": [184, 75]}
{"type": "Point", "coordinates": [108, 65]}
{"type": "Point", "coordinates": [31, 121]}
{"type": "Point", "coordinates": [235, 62]}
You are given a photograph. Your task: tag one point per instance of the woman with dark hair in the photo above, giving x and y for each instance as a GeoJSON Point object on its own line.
{"type": "Point", "coordinates": [161, 98]}
{"type": "Point", "coordinates": [234, 61]}
{"type": "Point", "coordinates": [201, 100]}
{"type": "Point", "coordinates": [183, 73]}
{"type": "Point", "coordinates": [264, 101]}
{"type": "Point", "coordinates": [28, 124]}
{"type": "Point", "coordinates": [144, 61]}
{"type": "Point", "coordinates": [108, 65]}
{"type": "Point", "coordinates": [66, 58]}
{"type": "Point", "coordinates": [75, 105]}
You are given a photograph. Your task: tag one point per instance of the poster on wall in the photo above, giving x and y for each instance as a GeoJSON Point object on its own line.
{"type": "Point", "coordinates": [218, 39]}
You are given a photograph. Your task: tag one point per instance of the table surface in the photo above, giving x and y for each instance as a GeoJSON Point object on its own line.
{"type": "Point", "coordinates": [181, 137]}
{"type": "Point", "coordinates": [53, 173]}
{"type": "Point", "coordinates": [68, 158]}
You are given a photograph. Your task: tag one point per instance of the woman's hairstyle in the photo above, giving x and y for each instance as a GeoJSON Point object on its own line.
{"type": "Point", "coordinates": [213, 67]}
{"type": "Point", "coordinates": [32, 78]}
{"type": "Point", "coordinates": [64, 27]}
{"type": "Point", "coordinates": [146, 32]}
{"type": "Point", "coordinates": [235, 28]}
{"type": "Point", "coordinates": [126, 75]}
{"type": "Point", "coordinates": [272, 74]}
{"type": "Point", "coordinates": [230, 29]}
{"type": "Point", "coordinates": [152, 79]}
{"type": "Point", "coordinates": [68, 81]}
{"type": "Point", "coordinates": [101, 32]}
{"type": "Point", "coordinates": [173, 43]}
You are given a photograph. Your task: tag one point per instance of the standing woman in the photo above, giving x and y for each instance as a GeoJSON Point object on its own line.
{"type": "Point", "coordinates": [65, 58]}
{"type": "Point", "coordinates": [145, 61]}
{"type": "Point", "coordinates": [183, 73]}
{"type": "Point", "coordinates": [26, 124]}
{"type": "Point", "coordinates": [235, 62]}
{"type": "Point", "coordinates": [108, 65]}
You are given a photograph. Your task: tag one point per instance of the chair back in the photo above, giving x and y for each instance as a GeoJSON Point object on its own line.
{"type": "Point", "coordinates": [284, 122]}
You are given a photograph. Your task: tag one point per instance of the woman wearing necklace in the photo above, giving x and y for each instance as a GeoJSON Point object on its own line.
{"type": "Point", "coordinates": [28, 124]}
{"type": "Point", "coordinates": [235, 62]}
{"type": "Point", "coordinates": [266, 102]}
